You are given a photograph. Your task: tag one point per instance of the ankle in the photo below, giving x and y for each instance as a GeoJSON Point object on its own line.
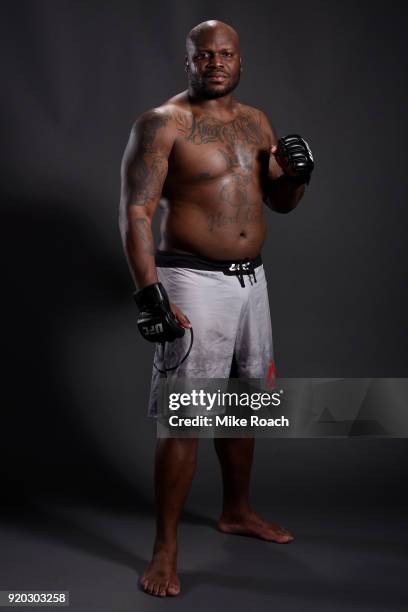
{"type": "Point", "coordinates": [236, 512]}
{"type": "Point", "coordinates": [165, 545]}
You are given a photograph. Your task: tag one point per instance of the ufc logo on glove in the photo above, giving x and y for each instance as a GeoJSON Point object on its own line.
{"type": "Point", "coordinates": [153, 329]}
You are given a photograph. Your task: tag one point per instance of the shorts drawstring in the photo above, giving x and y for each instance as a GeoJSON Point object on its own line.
{"type": "Point", "coordinates": [245, 266]}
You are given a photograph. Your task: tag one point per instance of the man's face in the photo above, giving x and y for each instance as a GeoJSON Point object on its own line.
{"type": "Point", "coordinates": [213, 64]}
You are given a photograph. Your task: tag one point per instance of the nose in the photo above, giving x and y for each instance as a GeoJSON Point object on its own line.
{"type": "Point", "coordinates": [213, 60]}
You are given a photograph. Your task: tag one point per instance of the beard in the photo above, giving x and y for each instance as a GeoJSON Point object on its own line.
{"type": "Point", "coordinates": [210, 91]}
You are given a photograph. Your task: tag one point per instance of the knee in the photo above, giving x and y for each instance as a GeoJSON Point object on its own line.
{"type": "Point", "coordinates": [179, 447]}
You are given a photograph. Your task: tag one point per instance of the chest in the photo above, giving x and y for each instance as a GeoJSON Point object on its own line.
{"type": "Point", "coordinates": [206, 148]}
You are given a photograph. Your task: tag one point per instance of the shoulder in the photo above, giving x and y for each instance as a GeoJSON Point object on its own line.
{"type": "Point", "coordinates": [152, 130]}
{"type": "Point", "coordinates": [262, 120]}
{"type": "Point", "coordinates": [165, 118]}
{"type": "Point", "coordinates": [153, 119]}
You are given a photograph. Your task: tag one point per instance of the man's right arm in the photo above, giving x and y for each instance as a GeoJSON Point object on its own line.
{"type": "Point", "coordinates": [143, 172]}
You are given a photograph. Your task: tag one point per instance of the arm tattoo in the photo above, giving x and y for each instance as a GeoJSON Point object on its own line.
{"type": "Point", "coordinates": [152, 124]}
{"type": "Point", "coordinates": [144, 232]}
{"type": "Point", "coordinates": [148, 168]}
{"type": "Point", "coordinates": [147, 180]}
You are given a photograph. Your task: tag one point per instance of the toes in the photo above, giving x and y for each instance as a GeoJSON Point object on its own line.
{"type": "Point", "coordinates": [163, 589]}
{"type": "Point", "coordinates": [156, 588]}
{"type": "Point", "coordinates": [143, 582]}
{"type": "Point", "coordinates": [174, 589]}
{"type": "Point", "coordinates": [287, 537]}
{"type": "Point", "coordinates": [150, 587]}
{"type": "Point", "coordinates": [159, 589]}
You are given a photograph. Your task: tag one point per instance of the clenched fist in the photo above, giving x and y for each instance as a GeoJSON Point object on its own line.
{"type": "Point", "coordinates": [294, 156]}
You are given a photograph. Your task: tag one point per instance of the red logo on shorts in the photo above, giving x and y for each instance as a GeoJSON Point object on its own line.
{"type": "Point", "coordinates": [270, 377]}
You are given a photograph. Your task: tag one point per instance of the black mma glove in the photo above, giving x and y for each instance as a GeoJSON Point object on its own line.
{"type": "Point", "coordinates": [156, 322]}
{"type": "Point", "coordinates": [295, 158]}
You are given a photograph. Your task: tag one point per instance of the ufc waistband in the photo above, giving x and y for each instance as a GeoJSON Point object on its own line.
{"type": "Point", "coordinates": [169, 259]}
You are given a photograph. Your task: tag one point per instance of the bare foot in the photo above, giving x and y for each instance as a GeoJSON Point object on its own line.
{"type": "Point", "coordinates": [160, 578]}
{"type": "Point", "coordinates": [252, 524]}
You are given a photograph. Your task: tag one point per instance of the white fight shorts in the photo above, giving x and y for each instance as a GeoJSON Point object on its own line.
{"type": "Point", "coordinates": [228, 307]}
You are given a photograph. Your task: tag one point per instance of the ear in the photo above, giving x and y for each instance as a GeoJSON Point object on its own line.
{"type": "Point", "coordinates": [186, 63]}
{"type": "Point", "coordinates": [240, 65]}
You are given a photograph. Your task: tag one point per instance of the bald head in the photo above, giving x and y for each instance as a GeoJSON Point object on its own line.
{"type": "Point", "coordinates": [213, 60]}
{"type": "Point", "coordinates": [211, 28]}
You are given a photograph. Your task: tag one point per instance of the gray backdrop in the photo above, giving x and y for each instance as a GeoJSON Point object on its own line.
{"type": "Point", "coordinates": [75, 76]}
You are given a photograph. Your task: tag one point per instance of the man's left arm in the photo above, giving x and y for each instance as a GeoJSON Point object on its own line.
{"type": "Point", "coordinates": [288, 170]}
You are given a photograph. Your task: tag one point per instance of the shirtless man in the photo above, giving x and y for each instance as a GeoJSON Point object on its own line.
{"type": "Point", "coordinates": [215, 162]}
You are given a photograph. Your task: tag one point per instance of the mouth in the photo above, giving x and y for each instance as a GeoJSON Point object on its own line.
{"type": "Point", "coordinates": [216, 77]}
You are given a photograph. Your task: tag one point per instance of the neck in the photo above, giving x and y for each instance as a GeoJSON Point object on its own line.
{"type": "Point", "coordinates": [223, 104]}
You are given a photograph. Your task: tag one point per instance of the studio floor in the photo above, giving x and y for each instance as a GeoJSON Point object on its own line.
{"type": "Point", "coordinates": [343, 558]}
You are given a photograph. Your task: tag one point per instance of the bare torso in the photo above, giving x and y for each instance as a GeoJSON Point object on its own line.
{"type": "Point", "coordinates": [212, 196]}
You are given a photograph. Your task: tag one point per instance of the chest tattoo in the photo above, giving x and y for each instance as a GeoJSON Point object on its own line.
{"type": "Point", "coordinates": [203, 129]}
